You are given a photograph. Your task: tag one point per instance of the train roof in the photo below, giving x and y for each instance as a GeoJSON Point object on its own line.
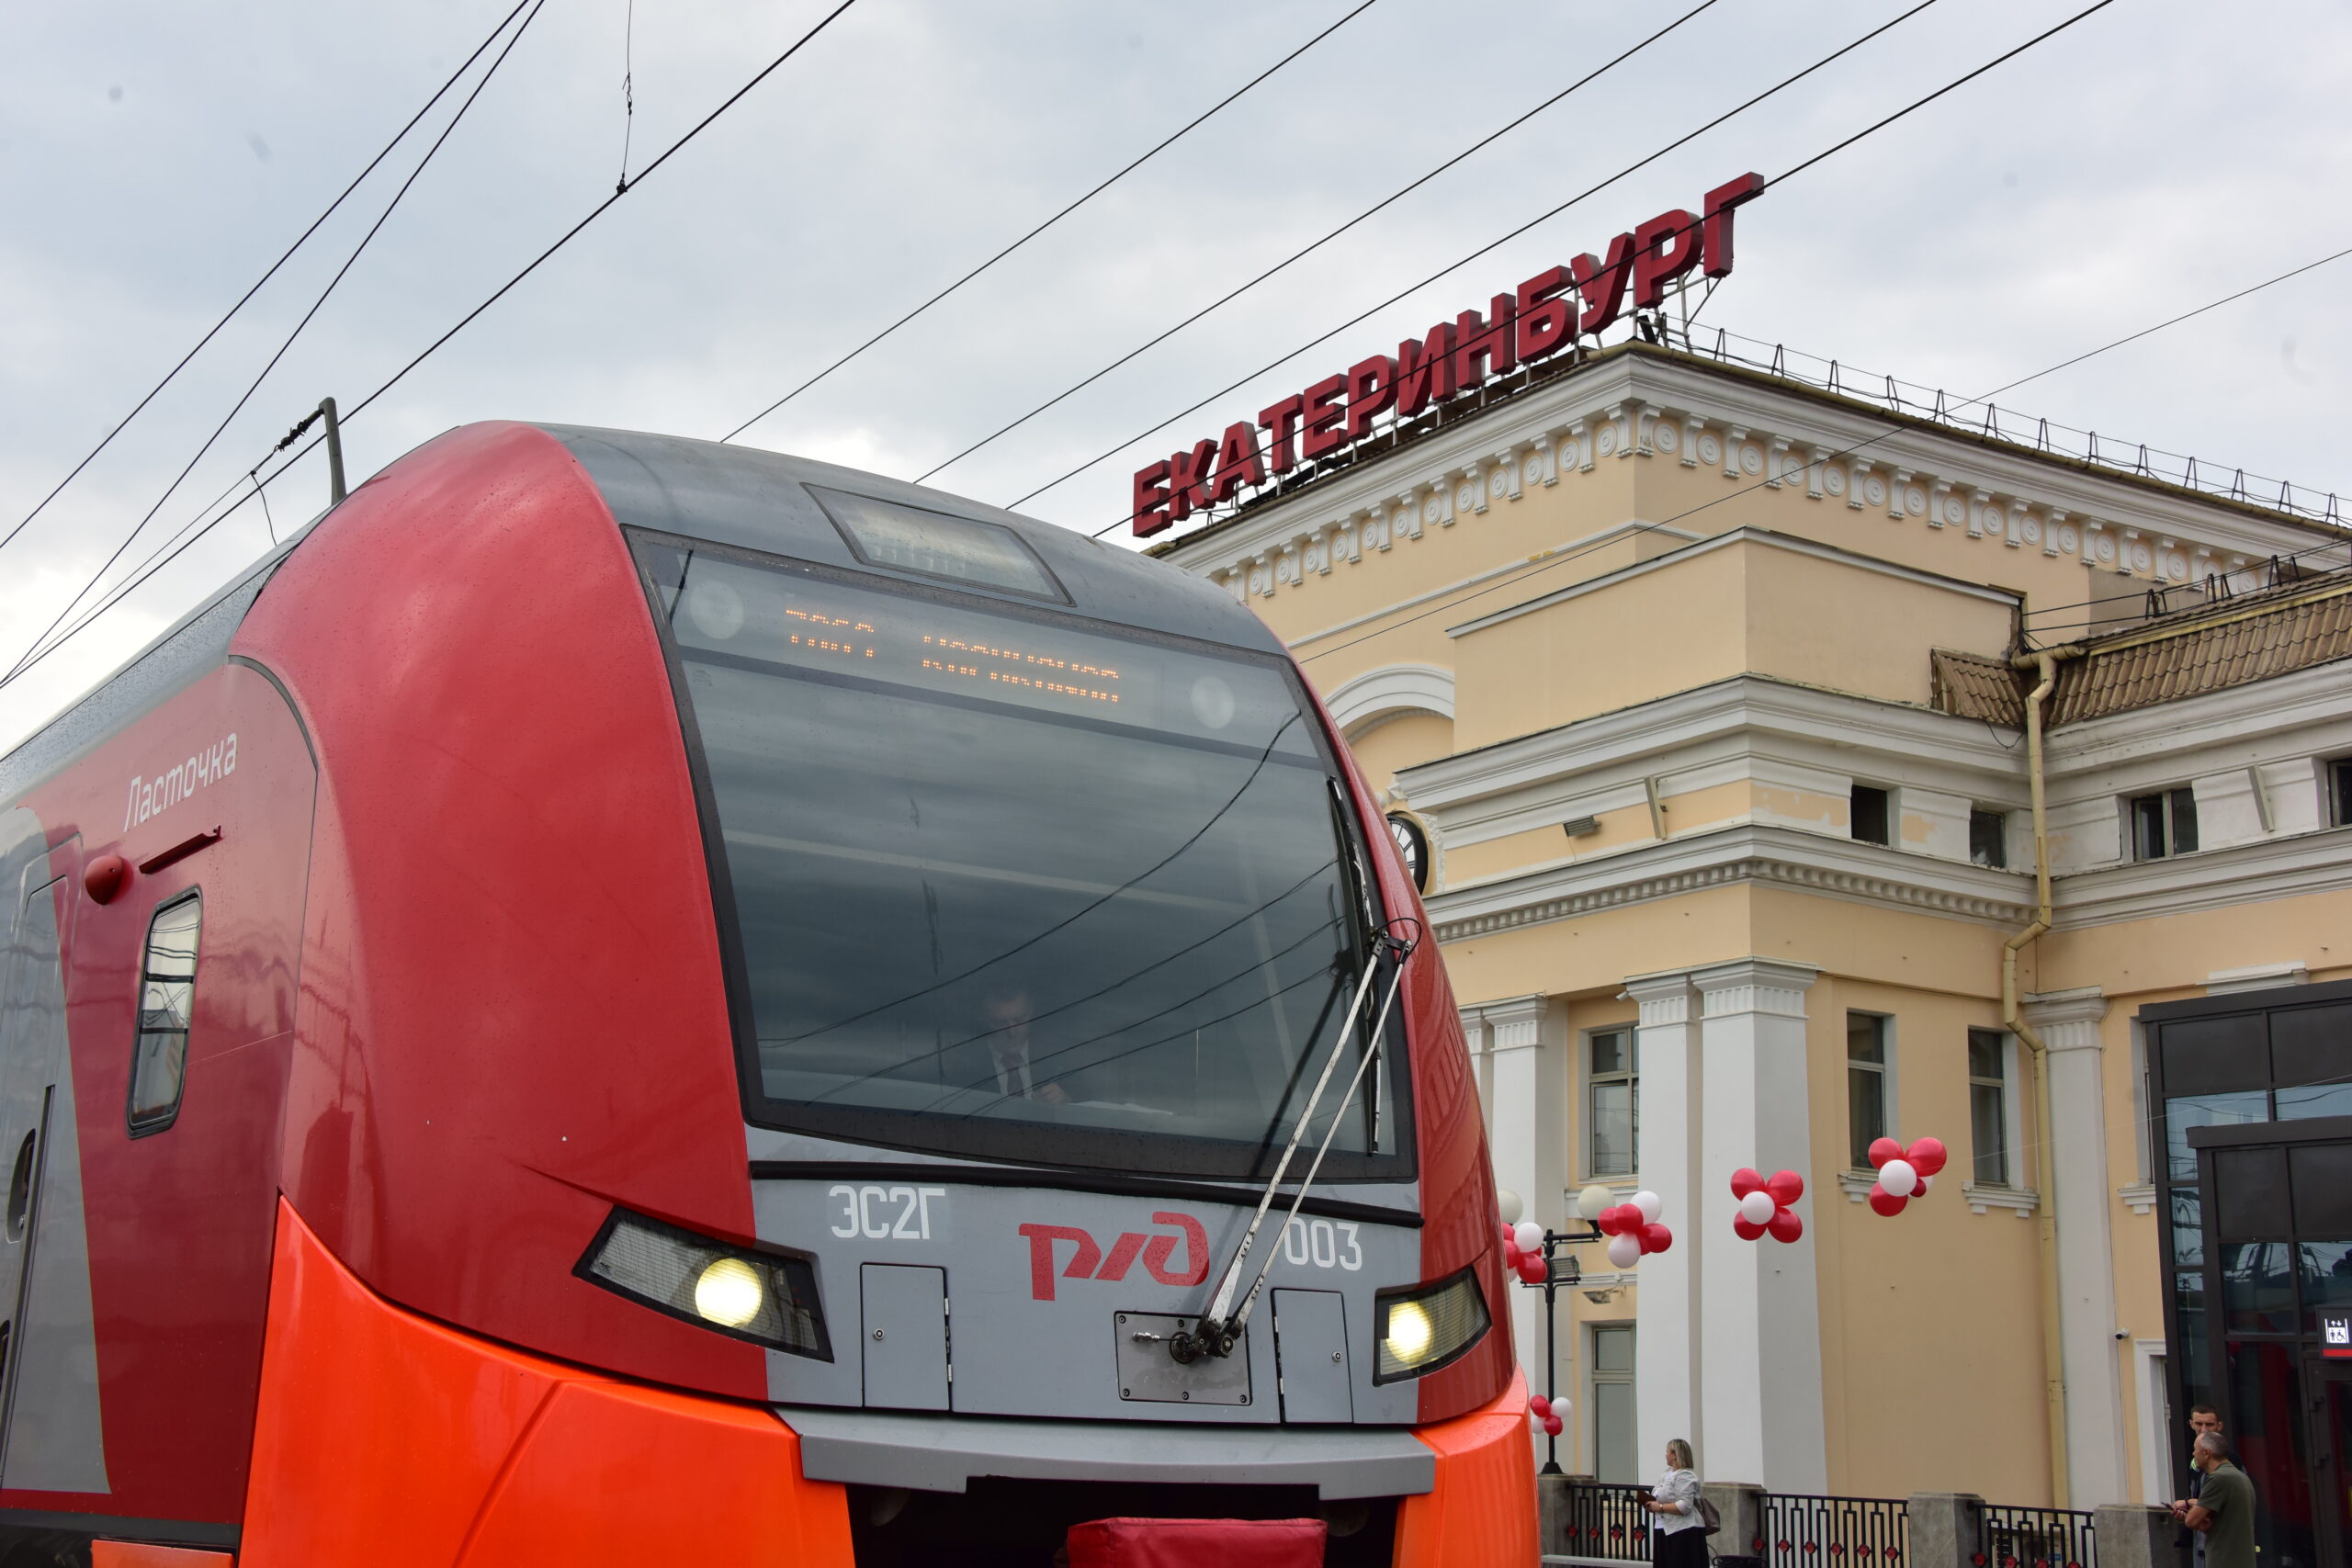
{"type": "Point", "coordinates": [743, 496]}
{"type": "Point", "coordinates": [762, 500]}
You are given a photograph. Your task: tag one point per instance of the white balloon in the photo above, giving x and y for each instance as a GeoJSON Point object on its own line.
{"type": "Point", "coordinates": [1592, 1199]}
{"type": "Point", "coordinates": [1651, 1206]}
{"type": "Point", "coordinates": [1507, 1205]}
{"type": "Point", "coordinates": [1758, 1208]}
{"type": "Point", "coordinates": [1624, 1250]}
{"type": "Point", "coordinates": [1899, 1177]}
{"type": "Point", "coordinates": [1529, 1235]}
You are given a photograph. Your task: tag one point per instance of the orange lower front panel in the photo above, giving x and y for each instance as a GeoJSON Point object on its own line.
{"type": "Point", "coordinates": [1481, 1511]}
{"type": "Point", "coordinates": [387, 1440]}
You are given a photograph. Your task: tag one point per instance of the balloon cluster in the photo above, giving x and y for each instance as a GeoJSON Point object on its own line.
{"type": "Point", "coordinates": [1523, 1251]}
{"type": "Point", "coordinates": [1550, 1414]}
{"type": "Point", "coordinates": [1633, 1229]}
{"type": "Point", "coordinates": [1903, 1173]}
{"type": "Point", "coordinates": [1764, 1205]}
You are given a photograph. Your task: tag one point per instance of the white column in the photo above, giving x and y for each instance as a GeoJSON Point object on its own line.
{"type": "Point", "coordinates": [1760, 1315]}
{"type": "Point", "coordinates": [1665, 1345]}
{"type": "Point", "coordinates": [2075, 1145]}
{"type": "Point", "coordinates": [1525, 1052]}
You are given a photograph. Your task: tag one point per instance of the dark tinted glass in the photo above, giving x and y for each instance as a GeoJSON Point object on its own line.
{"type": "Point", "coordinates": [2206, 1055]}
{"type": "Point", "coordinates": [2322, 1174]}
{"type": "Point", "coordinates": [1018, 885]}
{"type": "Point", "coordinates": [2184, 1111]}
{"type": "Point", "coordinates": [2148, 839]}
{"type": "Point", "coordinates": [2258, 1287]}
{"type": "Point", "coordinates": [2187, 1228]}
{"type": "Point", "coordinates": [2310, 1059]}
{"type": "Point", "coordinates": [2326, 1270]}
{"type": "Point", "coordinates": [2250, 1192]}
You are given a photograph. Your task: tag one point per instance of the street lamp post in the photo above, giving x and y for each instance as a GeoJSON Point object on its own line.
{"type": "Point", "coordinates": [1559, 1269]}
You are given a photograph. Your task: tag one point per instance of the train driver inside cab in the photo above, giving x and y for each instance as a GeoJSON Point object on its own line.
{"type": "Point", "coordinates": [1017, 1077]}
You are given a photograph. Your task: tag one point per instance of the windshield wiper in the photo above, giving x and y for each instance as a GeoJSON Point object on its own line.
{"type": "Point", "coordinates": [1218, 1330]}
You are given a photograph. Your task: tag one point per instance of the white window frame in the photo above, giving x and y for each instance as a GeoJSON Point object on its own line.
{"type": "Point", "coordinates": [1584, 1081]}
{"type": "Point", "coordinates": [2012, 1111]}
{"type": "Point", "coordinates": [2156, 1422]}
{"type": "Point", "coordinates": [2131, 827]}
{"type": "Point", "coordinates": [1891, 1100]}
{"type": "Point", "coordinates": [1588, 1429]}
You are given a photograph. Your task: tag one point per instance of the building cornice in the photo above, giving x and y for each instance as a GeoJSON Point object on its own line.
{"type": "Point", "coordinates": [1761, 430]}
{"type": "Point", "coordinates": [2287, 866]}
{"type": "Point", "coordinates": [1596, 751]}
{"type": "Point", "coordinates": [1744, 852]}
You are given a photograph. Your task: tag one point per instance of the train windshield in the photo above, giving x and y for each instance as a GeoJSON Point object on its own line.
{"type": "Point", "coordinates": [1013, 884]}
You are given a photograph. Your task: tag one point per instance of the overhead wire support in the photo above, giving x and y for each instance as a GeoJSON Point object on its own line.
{"type": "Point", "coordinates": [242, 299]}
{"type": "Point", "coordinates": [1133, 165]}
{"type": "Point", "coordinates": [283, 347]}
{"type": "Point", "coordinates": [1384, 202]}
{"type": "Point", "coordinates": [201, 528]}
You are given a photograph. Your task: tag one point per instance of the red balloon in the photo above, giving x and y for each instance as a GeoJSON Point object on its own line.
{"type": "Point", "coordinates": [1554, 1426]}
{"type": "Point", "coordinates": [1786, 1187]}
{"type": "Point", "coordinates": [1883, 1150]}
{"type": "Point", "coordinates": [1885, 1202]}
{"type": "Point", "coordinates": [1511, 1255]}
{"type": "Point", "coordinates": [1745, 1230]}
{"type": "Point", "coordinates": [1929, 1155]}
{"type": "Point", "coordinates": [1531, 1268]}
{"type": "Point", "coordinates": [1786, 1225]}
{"type": "Point", "coordinates": [1656, 1238]}
{"type": "Point", "coordinates": [1613, 1219]}
{"type": "Point", "coordinates": [1538, 1405]}
{"type": "Point", "coordinates": [1744, 1181]}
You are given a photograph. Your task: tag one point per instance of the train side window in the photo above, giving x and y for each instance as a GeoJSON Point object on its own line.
{"type": "Point", "coordinates": [166, 999]}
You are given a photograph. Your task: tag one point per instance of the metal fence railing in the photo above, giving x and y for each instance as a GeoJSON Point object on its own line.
{"type": "Point", "coordinates": [1805, 1531]}
{"type": "Point", "coordinates": [1609, 1521]}
{"type": "Point", "coordinates": [2037, 1538]}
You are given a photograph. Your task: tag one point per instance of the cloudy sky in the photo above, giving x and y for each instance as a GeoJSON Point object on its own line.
{"type": "Point", "coordinates": [155, 158]}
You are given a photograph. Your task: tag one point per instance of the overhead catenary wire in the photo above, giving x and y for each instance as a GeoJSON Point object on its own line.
{"type": "Point", "coordinates": [1547, 562]}
{"type": "Point", "coordinates": [1498, 243]}
{"type": "Point", "coordinates": [1153, 151]}
{"type": "Point", "coordinates": [242, 299]}
{"type": "Point", "coordinates": [200, 530]}
{"type": "Point", "coordinates": [1309, 248]}
{"type": "Point", "coordinates": [316, 305]}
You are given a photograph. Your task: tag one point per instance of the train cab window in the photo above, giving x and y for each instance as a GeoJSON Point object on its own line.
{"type": "Point", "coordinates": [1007, 883]}
{"type": "Point", "coordinates": [166, 998]}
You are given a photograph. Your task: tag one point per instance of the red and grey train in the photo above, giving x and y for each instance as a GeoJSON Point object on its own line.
{"type": "Point", "coordinates": [627, 1000]}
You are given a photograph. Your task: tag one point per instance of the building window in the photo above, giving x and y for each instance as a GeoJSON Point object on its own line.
{"type": "Point", "coordinates": [2339, 791]}
{"type": "Point", "coordinates": [2163, 824]}
{"type": "Point", "coordinates": [1988, 838]}
{"type": "Point", "coordinates": [1869, 814]}
{"type": "Point", "coordinates": [166, 1000]}
{"type": "Point", "coordinates": [1988, 1105]}
{"type": "Point", "coordinates": [1616, 1452]}
{"type": "Point", "coordinates": [1866, 1087]}
{"type": "Point", "coordinates": [1612, 1103]}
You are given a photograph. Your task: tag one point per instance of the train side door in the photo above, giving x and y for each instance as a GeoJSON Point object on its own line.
{"type": "Point", "coordinates": [49, 1430]}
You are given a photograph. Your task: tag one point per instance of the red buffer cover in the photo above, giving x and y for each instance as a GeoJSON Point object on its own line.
{"type": "Point", "coordinates": [1196, 1544]}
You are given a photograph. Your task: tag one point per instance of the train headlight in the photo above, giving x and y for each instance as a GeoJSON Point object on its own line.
{"type": "Point", "coordinates": [729, 1293]}
{"type": "Point", "coordinates": [769, 1298]}
{"type": "Point", "coordinates": [1427, 1326]}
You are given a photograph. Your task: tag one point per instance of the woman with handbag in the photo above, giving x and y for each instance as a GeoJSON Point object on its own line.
{"type": "Point", "coordinates": [1680, 1527]}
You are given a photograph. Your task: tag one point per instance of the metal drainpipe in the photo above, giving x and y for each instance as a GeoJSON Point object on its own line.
{"type": "Point", "coordinates": [2053, 1367]}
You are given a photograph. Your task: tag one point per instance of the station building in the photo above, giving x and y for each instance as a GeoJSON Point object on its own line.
{"type": "Point", "coordinates": [1697, 687]}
